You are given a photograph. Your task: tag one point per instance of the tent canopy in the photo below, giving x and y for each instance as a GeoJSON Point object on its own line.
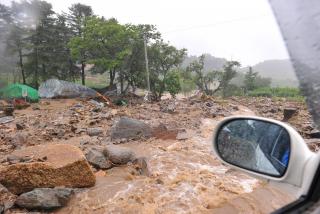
{"type": "Point", "coordinates": [19, 91]}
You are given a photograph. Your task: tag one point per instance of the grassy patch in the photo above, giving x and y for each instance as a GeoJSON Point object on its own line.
{"type": "Point", "coordinates": [276, 92]}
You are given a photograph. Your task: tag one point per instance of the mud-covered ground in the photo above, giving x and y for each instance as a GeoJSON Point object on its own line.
{"type": "Point", "coordinates": [183, 174]}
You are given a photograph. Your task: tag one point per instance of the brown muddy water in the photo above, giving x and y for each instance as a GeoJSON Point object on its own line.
{"type": "Point", "coordinates": [185, 177]}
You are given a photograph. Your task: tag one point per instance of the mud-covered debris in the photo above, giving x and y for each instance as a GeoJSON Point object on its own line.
{"type": "Point", "coordinates": [78, 105]}
{"type": "Point", "coordinates": [7, 199]}
{"type": "Point", "coordinates": [97, 105]}
{"type": "Point", "coordinates": [94, 131]}
{"type": "Point", "coordinates": [35, 107]}
{"type": "Point", "coordinates": [96, 157]}
{"type": "Point", "coordinates": [130, 129]}
{"type": "Point", "coordinates": [6, 108]}
{"type": "Point", "coordinates": [119, 155]}
{"type": "Point", "coordinates": [184, 135]}
{"type": "Point", "coordinates": [288, 113]}
{"type": "Point", "coordinates": [44, 198]}
{"type": "Point", "coordinates": [65, 165]}
{"type": "Point", "coordinates": [169, 107]}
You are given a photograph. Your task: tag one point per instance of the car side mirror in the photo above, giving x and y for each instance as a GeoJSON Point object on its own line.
{"type": "Point", "coordinates": [265, 148]}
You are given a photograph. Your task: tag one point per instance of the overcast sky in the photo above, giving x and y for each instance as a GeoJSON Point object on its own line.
{"type": "Point", "coordinates": [240, 30]}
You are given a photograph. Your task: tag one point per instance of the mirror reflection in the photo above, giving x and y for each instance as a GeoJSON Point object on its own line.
{"type": "Point", "coordinates": [255, 145]}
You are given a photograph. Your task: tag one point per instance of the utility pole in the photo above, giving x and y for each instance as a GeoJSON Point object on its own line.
{"type": "Point", "coordinates": [147, 65]}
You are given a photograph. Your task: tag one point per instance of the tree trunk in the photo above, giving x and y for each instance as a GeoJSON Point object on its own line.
{"type": "Point", "coordinates": [83, 75]}
{"type": "Point", "coordinates": [36, 76]}
{"type": "Point", "coordinates": [21, 67]}
{"type": "Point", "coordinates": [112, 74]}
{"type": "Point", "coordinates": [121, 82]}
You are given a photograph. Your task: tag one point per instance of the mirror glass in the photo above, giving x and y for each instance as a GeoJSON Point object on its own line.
{"type": "Point", "coordinates": [255, 145]}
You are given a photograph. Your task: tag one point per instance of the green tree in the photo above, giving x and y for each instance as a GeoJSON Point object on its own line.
{"type": "Point", "coordinates": [202, 78]}
{"type": "Point", "coordinates": [61, 64]}
{"type": "Point", "coordinates": [228, 73]}
{"type": "Point", "coordinates": [41, 42]}
{"type": "Point", "coordinates": [15, 45]}
{"type": "Point", "coordinates": [134, 69]}
{"type": "Point", "coordinates": [77, 18]}
{"type": "Point", "coordinates": [13, 26]}
{"type": "Point", "coordinates": [187, 81]}
{"type": "Point", "coordinates": [250, 79]}
{"type": "Point", "coordinates": [172, 83]}
{"type": "Point", "coordinates": [163, 58]}
{"type": "Point", "coordinates": [5, 20]}
{"type": "Point", "coordinates": [106, 45]}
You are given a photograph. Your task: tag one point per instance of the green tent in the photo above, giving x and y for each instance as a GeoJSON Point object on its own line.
{"type": "Point", "coordinates": [19, 91]}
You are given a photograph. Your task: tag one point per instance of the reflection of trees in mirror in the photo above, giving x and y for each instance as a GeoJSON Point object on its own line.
{"type": "Point", "coordinates": [256, 145]}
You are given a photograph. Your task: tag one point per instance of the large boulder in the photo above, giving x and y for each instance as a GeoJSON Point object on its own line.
{"type": "Point", "coordinates": [119, 155]}
{"type": "Point", "coordinates": [54, 88]}
{"type": "Point", "coordinates": [44, 198]}
{"type": "Point", "coordinates": [129, 128]}
{"type": "Point", "coordinates": [57, 165]}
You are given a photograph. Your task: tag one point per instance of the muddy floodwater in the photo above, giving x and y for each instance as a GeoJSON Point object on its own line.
{"type": "Point", "coordinates": [185, 177]}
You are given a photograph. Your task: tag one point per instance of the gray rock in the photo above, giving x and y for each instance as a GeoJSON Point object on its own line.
{"type": "Point", "coordinates": [97, 159]}
{"type": "Point", "coordinates": [118, 154]}
{"type": "Point", "coordinates": [6, 119]}
{"type": "Point", "coordinates": [94, 131]}
{"type": "Point", "coordinates": [20, 139]}
{"type": "Point", "coordinates": [44, 198]}
{"type": "Point", "coordinates": [130, 129]}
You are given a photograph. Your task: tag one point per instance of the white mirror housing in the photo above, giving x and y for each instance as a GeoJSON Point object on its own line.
{"type": "Point", "coordinates": [302, 165]}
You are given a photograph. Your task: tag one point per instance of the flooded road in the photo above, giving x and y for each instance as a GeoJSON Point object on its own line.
{"type": "Point", "coordinates": [185, 177]}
